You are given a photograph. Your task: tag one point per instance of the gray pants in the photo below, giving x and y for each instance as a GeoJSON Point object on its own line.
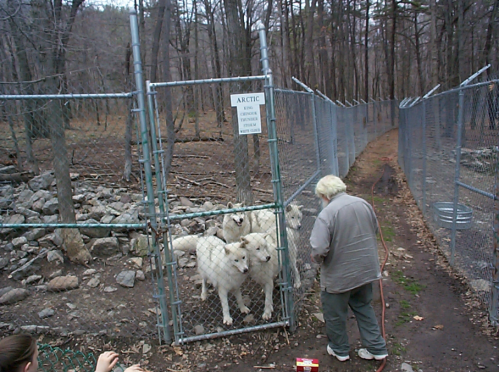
{"type": "Point", "coordinates": [335, 309]}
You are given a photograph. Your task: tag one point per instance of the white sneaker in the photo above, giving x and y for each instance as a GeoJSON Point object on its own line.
{"type": "Point", "coordinates": [365, 354]}
{"type": "Point", "coordinates": [340, 358]}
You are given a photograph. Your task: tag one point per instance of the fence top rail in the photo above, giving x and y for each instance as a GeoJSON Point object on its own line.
{"type": "Point", "coordinates": [209, 81]}
{"type": "Point", "coordinates": [65, 96]}
{"type": "Point", "coordinates": [454, 90]}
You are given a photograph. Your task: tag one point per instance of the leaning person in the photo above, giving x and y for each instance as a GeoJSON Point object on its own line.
{"type": "Point", "coordinates": [343, 242]}
{"type": "Point", "coordinates": [19, 353]}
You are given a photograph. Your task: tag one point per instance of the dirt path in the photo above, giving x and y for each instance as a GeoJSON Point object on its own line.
{"type": "Point", "coordinates": [449, 335]}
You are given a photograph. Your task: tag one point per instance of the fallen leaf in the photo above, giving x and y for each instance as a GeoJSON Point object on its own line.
{"type": "Point", "coordinates": [438, 326]}
{"type": "Point", "coordinates": [178, 350]}
{"type": "Point", "coordinates": [417, 317]}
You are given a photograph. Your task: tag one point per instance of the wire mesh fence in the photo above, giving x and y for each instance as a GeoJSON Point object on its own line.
{"type": "Point", "coordinates": [448, 151]}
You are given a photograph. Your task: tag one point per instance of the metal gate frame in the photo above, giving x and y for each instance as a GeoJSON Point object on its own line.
{"type": "Point", "coordinates": [162, 222]}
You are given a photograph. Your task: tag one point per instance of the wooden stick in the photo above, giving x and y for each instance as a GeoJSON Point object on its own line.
{"type": "Point", "coordinates": [270, 366]}
{"type": "Point", "coordinates": [188, 180]}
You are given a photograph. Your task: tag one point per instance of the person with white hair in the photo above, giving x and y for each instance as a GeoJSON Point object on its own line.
{"type": "Point", "coordinates": [343, 242]}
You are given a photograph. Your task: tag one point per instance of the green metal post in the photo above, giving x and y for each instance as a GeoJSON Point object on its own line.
{"type": "Point", "coordinates": [276, 182]}
{"type": "Point", "coordinates": [139, 82]}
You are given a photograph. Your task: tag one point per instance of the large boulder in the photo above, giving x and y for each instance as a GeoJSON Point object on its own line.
{"type": "Point", "coordinates": [106, 247]}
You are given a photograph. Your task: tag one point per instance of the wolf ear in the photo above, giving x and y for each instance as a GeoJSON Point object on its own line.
{"type": "Point", "coordinates": [244, 242]}
{"type": "Point", "coordinates": [288, 208]}
{"type": "Point", "coordinates": [230, 205]}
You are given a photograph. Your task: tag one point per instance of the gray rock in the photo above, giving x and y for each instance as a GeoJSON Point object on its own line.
{"type": "Point", "coordinates": [51, 207]}
{"type": "Point", "coordinates": [139, 245]}
{"type": "Point", "coordinates": [97, 212]}
{"type": "Point", "coordinates": [5, 203]}
{"type": "Point", "coordinates": [130, 216]}
{"type": "Point", "coordinates": [5, 290]}
{"type": "Point", "coordinates": [117, 206]}
{"type": "Point", "coordinates": [38, 205]}
{"type": "Point", "coordinates": [55, 255]}
{"type": "Point", "coordinates": [94, 282]}
{"type": "Point", "coordinates": [126, 278]}
{"type": "Point", "coordinates": [13, 219]}
{"type": "Point", "coordinates": [55, 274]}
{"type": "Point", "coordinates": [33, 278]}
{"type": "Point", "coordinates": [199, 330]}
{"type": "Point", "coordinates": [26, 212]}
{"type": "Point", "coordinates": [107, 219]}
{"type": "Point", "coordinates": [136, 262]}
{"type": "Point", "coordinates": [13, 296]}
{"type": "Point", "coordinates": [50, 219]}
{"type": "Point", "coordinates": [40, 194]}
{"type": "Point", "coordinates": [405, 367]}
{"type": "Point", "coordinates": [63, 283]}
{"type": "Point", "coordinates": [18, 242]}
{"type": "Point", "coordinates": [25, 197]}
{"type": "Point", "coordinates": [46, 313]}
{"type": "Point", "coordinates": [110, 289]}
{"type": "Point", "coordinates": [3, 262]}
{"type": "Point", "coordinates": [89, 272]}
{"type": "Point", "coordinates": [33, 220]}
{"type": "Point", "coordinates": [35, 234]}
{"type": "Point", "coordinates": [43, 181]}
{"type": "Point", "coordinates": [95, 232]}
{"type": "Point", "coordinates": [105, 246]}
{"type": "Point", "coordinates": [139, 275]}
{"type": "Point", "coordinates": [186, 202]}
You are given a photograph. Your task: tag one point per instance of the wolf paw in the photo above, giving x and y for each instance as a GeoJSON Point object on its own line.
{"type": "Point", "coordinates": [297, 284]}
{"type": "Point", "coordinates": [227, 320]}
{"type": "Point", "coordinates": [204, 296]}
{"type": "Point", "coordinates": [267, 314]}
{"type": "Point", "coordinates": [245, 310]}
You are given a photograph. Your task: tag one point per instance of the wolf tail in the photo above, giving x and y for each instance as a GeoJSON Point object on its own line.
{"type": "Point", "coordinates": [186, 243]}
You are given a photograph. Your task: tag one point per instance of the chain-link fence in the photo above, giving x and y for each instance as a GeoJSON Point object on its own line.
{"type": "Point", "coordinates": [75, 250]}
{"type": "Point", "coordinates": [448, 149]}
{"type": "Point", "coordinates": [161, 184]}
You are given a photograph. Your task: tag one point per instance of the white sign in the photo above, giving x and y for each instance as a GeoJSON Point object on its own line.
{"type": "Point", "coordinates": [248, 111]}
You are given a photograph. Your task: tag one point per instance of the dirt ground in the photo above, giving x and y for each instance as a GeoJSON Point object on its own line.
{"type": "Point", "coordinates": [432, 321]}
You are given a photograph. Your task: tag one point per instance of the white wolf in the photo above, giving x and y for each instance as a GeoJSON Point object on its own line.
{"type": "Point", "coordinates": [264, 221]}
{"type": "Point", "coordinates": [236, 224]}
{"type": "Point", "coordinates": [263, 271]}
{"type": "Point", "coordinates": [225, 266]}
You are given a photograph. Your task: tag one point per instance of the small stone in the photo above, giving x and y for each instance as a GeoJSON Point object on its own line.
{"type": "Point", "coordinates": [51, 207]}
{"type": "Point", "coordinates": [94, 282]}
{"type": "Point", "coordinates": [42, 181]}
{"type": "Point", "coordinates": [136, 262]}
{"type": "Point", "coordinates": [13, 296]}
{"type": "Point", "coordinates": [63, 283]}
{"type": "Point", "coordinates": [55, 255]}
{"type": "Point", "coordinates": [186, 202]}
{"type": "Point", "coordinates": [33, 278]}
{"type": "Point", "coordinates": [319, 316]}
{"type": "Point", "coordinates": [139, 275]}
{"type": "Point", "coordinates": [199, 330]}
{"type": "Point", "coordinates": [18, 242]}
{"type": "Point", "coordinates": [110, 289]}
{"type": "Point", "coordinates": [46, 313]}
{"type": "Point", "coordinates": [89, 272]}
{"type": "Point", "coordinates": [105, 246]}
{"type": "Point", "coordinates": [126, 278]}
{"type": "Point", "coordinates": [71, 306]}
{"type": "Point", "coordinates": [3, 262]}
{"type": "Point", "coordinates": [405, 367]}
{"type": "Point", "coordinates": [5, 290]}
{"type": "Point", "coordinates": [55, 274]}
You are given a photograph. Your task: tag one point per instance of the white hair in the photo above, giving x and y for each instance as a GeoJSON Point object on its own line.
{"type": "Point", "coordinates": [328, 186]}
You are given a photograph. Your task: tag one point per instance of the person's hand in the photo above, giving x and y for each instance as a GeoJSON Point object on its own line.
{"type": "Point", "coordinates": [106, 361]}
{"type": "Point", "coordinates": [134, 368]}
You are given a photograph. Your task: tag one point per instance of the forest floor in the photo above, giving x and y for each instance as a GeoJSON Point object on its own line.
{"type": "Point", "coordinates": [432, 321]}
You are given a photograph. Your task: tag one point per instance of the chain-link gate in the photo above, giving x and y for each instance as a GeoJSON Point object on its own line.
{"type": "Point", "coordinates": [222, 185]}
{"type": "Point", "coordinates": [448, 151]}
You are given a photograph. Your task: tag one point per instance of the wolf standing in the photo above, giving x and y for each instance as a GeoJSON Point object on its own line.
{"type": "Point", "coordinates": [343, 241]}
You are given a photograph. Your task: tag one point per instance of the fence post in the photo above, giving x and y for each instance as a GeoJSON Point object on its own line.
{"type": "Point", "coordinates": [494, 298]}
{"type": "Point", "coordinates": [456, 175]}
{"type": "Point", "coordinates": [424, 155]}
{"type": "Point", "coordinates": [146, 160]}
{"type": "Point", "coordinates": [276, 181]}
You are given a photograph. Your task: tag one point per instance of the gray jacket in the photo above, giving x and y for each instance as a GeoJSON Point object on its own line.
{"type": "Point", "coordinates": [344, 242]}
